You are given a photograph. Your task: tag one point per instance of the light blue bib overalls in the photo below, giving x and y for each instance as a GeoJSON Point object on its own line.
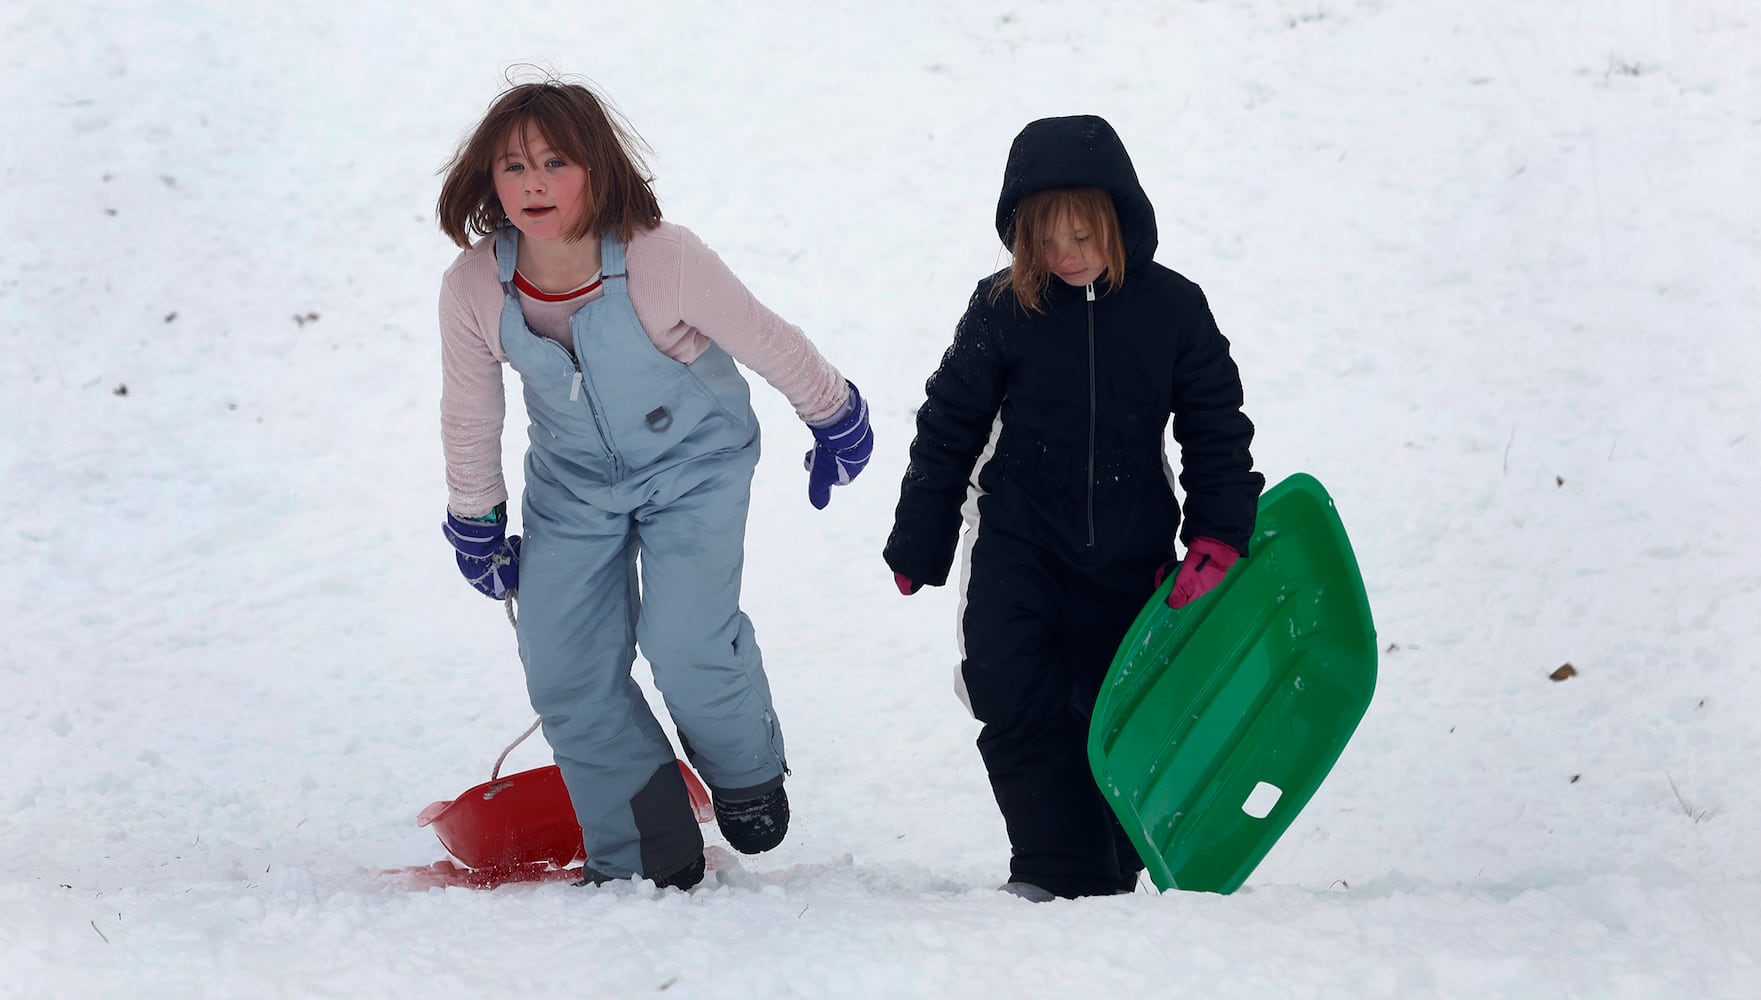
{"type": "Point", "coordinates": [636, 457]}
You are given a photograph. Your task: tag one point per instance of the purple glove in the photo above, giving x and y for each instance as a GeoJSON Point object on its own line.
{"type": "Point", "coordinates": [1207, 562]}
{"type": "Point", "coordinates": [489, 559]}
{"type": "Point", "coordinates": [840, 450]}
{"type": "Point", "coordinates": [906, 585]}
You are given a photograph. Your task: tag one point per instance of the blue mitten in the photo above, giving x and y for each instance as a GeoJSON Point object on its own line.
{"type": "Point", "coordinates": [840, 449]}
{"type": "Point", "coordinates": [488, 558]}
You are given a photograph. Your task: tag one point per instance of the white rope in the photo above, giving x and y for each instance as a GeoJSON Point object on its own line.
{"type": "Point", "coordinates": [496, 773]}
{"type": "Point", "coordinates": [514, 620]}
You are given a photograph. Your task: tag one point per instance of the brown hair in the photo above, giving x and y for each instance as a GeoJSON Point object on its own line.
{"type": "Point", "coordinates": [1034, 219]}
{"type": "Point", "coordinates": [580, 127]}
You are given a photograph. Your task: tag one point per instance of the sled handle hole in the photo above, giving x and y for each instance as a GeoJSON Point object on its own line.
{"type": "Point", "coordinates": [1261, 800]}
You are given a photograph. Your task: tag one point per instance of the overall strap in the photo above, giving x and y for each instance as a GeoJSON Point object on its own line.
{"type": "Point", "coordinates": [611, 263]}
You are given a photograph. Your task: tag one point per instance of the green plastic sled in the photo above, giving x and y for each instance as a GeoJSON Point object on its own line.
{"type": "Point", "coordinates": [1217, 721]}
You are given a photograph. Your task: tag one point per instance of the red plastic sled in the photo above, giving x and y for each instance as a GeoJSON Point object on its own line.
{"type": "Point", "coordinates": [511, 828]}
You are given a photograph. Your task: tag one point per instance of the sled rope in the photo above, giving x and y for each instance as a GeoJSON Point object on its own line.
{"type": "Point", "coordinates": [496, 771]}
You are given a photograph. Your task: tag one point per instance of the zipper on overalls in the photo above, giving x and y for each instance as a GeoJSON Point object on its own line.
{"type": "Point", "coordinates": [1090, 292]}
{"type": "Point", "coordinates": [579, 387]}
{"type": "Point", "coordinates": [770, 722]}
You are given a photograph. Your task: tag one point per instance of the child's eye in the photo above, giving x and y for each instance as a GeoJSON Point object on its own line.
{"type": "Point", "coordinates": [513, 168]}
{"type": "Point", "coordinates": [554, 164]}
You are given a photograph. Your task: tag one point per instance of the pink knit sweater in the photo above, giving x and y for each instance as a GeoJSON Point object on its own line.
{"type": "Point", "coordinates": [685, 298]}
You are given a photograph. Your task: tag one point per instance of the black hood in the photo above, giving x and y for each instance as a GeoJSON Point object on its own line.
{"type": "Point", "coordinates": [1079, 151]}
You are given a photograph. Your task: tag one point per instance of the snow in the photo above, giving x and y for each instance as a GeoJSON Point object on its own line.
{"type": "Point", "coordinates": [1490, 271]}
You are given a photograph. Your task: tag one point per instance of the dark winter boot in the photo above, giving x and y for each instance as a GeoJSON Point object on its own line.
{"type": "Point", "coordinates": [684, 878]}
{"type": "Point", "coordinates": [590, 878]}
{"type": "Point", "coordinates": [1028, 891]}
{"type": "Point", "coordinates": [754, 826]}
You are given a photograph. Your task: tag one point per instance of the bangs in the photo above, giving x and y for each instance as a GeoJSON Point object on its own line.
{"type": "Point", "coordinates": [543, 116]}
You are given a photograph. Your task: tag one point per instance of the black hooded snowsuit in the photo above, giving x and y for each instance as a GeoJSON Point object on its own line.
{"type": "Point", "coordinates": [1075, 505]}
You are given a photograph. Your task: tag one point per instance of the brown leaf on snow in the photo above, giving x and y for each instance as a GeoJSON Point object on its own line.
{"type": "Point", "coordinates": [1566, 670]}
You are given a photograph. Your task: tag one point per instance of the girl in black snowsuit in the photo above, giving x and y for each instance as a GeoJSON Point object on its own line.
{"type": "Point", "coordinates": [1062, 376]}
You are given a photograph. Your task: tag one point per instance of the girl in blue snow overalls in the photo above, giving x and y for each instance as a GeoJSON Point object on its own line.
{"type": "Point", "coordinates": [638, 476]}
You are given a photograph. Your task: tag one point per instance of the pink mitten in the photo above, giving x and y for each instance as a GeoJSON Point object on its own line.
{"type": "Point", "coordinates": [1207, 561]}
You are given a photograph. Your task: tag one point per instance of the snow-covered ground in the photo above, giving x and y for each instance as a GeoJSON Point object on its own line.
{"type": "Point", "coordinates": [1491, 272]}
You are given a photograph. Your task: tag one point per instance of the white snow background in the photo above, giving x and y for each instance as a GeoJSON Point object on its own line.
{"type": "Point", "coordinates": [1490, 272]}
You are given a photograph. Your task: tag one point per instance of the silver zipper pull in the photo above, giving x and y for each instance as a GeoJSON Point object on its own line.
{"type": "Point", "coordinates": [575, 387]}
{"type": "Point", "coordinates": [1091, 291]}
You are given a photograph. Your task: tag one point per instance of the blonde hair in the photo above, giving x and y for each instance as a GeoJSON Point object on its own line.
{"type": "Point", "coordinates": [581, 128]}
{"type": "Point", "coordinates": [1034, 219]}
